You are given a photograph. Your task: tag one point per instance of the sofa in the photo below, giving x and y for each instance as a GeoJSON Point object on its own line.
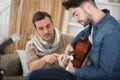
{"type": "Point", "coordinates": [12, 65]}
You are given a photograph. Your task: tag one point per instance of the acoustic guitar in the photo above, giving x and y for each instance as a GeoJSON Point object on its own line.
{"type": "Point", "coordinates": [79, 54]}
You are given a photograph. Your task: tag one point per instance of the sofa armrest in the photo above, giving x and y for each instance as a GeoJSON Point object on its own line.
{"type": "Point", "coordinates": [11, 64]}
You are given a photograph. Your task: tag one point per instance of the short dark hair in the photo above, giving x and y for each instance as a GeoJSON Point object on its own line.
{"type": "Point", "coordinates": [39, 16]}
{"type": "Point", "coordinates": [74, 3]}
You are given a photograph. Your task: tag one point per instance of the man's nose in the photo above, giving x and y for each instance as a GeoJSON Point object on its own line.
{"type": "Point", "coordinates": [76, 19]}
{"type": "Point", "coordinates": [46, 30]}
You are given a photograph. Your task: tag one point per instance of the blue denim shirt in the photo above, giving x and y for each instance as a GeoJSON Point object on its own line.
{"type": "Point", "coordinates": [105, 50]}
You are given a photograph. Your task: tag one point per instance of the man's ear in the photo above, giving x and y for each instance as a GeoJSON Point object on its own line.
{"type": "Point", "coordinates": [35, 31]}
{"type": "Point", "coordinates": [53, 25]}
{"type": "Point", "coordinates": [87, 7]}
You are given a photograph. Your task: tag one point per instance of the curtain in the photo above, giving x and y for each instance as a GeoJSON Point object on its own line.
{"type": "Point", "coordinates": [21, 15]}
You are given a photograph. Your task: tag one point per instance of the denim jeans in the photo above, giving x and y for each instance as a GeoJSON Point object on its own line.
{"type": "Point", "coordinates": [50, 74]}
{"type": "Point", "coordinates": [27, 76]}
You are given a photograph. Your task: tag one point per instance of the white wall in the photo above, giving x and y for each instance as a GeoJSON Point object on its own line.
{"type": "Point", "coordinates": [113, 7]}
{"type": "Point", "coordinates": [4, 18]}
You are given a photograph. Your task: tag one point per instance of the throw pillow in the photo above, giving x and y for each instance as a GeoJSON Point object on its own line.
{"type": "Point", "coordinates": [21, 54]}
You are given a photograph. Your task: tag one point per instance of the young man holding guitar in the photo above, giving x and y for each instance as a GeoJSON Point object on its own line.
{"type": "Point", "coordinates": [104, 55]}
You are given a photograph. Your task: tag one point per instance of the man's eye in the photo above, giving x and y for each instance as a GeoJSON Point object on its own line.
{"type": "Point", "coordinates": [40, 28]}
{"type": "Point", "coordinates": [48, 26]}
{"type": "Point", "coordinates": [76, 14]}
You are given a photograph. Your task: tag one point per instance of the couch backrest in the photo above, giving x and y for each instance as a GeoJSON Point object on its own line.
{"type": "Point", "coordinates": [11, 64]}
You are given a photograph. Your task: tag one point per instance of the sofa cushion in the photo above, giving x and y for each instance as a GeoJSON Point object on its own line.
{"type": "Point", "coordinates": [14, 78]}
{"type": "Point", "coordinates": [21, 54]}
{"type": "Point", "coordinates": [11, 64]}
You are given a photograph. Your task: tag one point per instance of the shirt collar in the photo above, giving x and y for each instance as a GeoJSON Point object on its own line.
{"type": "Point", "coordinates": [103, 20]}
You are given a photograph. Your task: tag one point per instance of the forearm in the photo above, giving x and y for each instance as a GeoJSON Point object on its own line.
{"type": "Point", "coordinates": [37, 64]}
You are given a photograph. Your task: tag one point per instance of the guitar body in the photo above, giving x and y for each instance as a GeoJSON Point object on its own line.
{"type": "Point", "coordinates": [80, 52]}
